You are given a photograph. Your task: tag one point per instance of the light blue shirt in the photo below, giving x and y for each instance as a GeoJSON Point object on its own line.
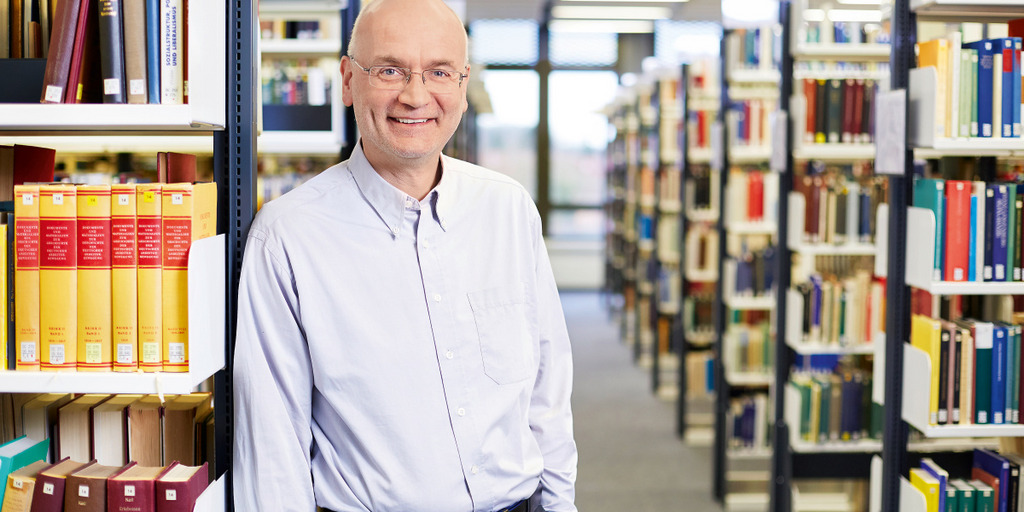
{"type": "Point", "coordinates": [396, 355]}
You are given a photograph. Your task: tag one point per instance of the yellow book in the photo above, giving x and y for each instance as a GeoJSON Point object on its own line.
{"type": "Point", "coordinates": [125, 285]}
{"type": "Point", "coordinates": [148, 205]}
{"type": "Point", "coordinates": [21, 484]}
{"type": "Point", "coordinates": [94, 294]}
{"type": "Point", "coordinates": [189, 213]}
{"type": "Point", "coordinates": [26, 277]}
{"type": "Point", "coordinates": [935, 53]}
{"type": "Point", "coordinates": [928, 485]}
{"type": "Point", "coordinates": [58, 277]}
{"type": "Point", "coordinates": [926, 334]}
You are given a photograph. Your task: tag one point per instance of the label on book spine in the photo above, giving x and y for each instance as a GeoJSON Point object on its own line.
{"type": "Point", "coordinates": [94, 285]}
{"type": "Point", "coordinates": [26, 276]}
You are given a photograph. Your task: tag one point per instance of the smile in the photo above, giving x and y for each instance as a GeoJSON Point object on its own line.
{"type": "Point", "coordinates": [410, 121]}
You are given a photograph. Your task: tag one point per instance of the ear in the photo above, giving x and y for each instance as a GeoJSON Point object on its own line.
{"type": "Point", "coordinates": [465, 90]}
{"type": "Point", "coordinates": [346, 80]}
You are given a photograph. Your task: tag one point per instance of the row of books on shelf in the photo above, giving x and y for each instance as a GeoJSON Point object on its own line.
{"type": "Point", "coordinates": [295, 82]}
{"type": "Point", "coordinates": [291, 29]}
{"type": "Point", "coordinates": [842, 311]}
{"type": "Point", "coordinates": [124, 248]}
{"type": "Point", "coordinates": [977, 84]}
{"type": "Point", "coordinates": [670, 182]}
{"type": "Point", "coordinates": [698, 128]}
{"type": "Point", "coordinates": [701, 188]}
{"type": "Point", "coordinates": [979, 228]}
{"type": "Point", "coordinates": [975, 369]}
{"type": "Point", "coordinates": [113, 429]}
{"type": "Point", "coordinates": [700, 374]}
{"type": "Point", "coordinates": [839, 110]}
{"type": "Point", "coordinates": [701, 246]}
{"type": "Point", "coordinates": [835, 405]}
{"type": "Point", "coordinates": [749, 122]}
{"type": "Point", "coordinates": [753, 195]}
{"type": "Point", "coordinates": [70, 485]}
{"type": "Point", "coordinates": [747, 422]}
{"type": "Point", "coordinates": [114, 51]}
{"type": "Point", "coordinates": [749, 347]}
{"type": "Point", "coordinates": [752, 273]}
{"type": "Point", "coordinates": [842, 32]}
{"type": "Point", "coordinates": [838, 210]}
{"type": "Point", "coordinates": [753, 48]}
{"type": "Point", "coordinates": [991, 484]}
{"type": "Point", "coordinates": [22, 28]}
{"type": "Point", "coordinates": [698, 311]}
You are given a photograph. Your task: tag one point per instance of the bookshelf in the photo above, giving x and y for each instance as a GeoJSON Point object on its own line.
{"type": "Point", "coordinates": [220, 38]}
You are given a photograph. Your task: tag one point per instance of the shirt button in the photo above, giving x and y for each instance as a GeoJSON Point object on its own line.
{"type": "Point", "coordinates": [449, 354]}
{"type": "Point", "coordinates": [461, 412]}
{"type": "Point", "coordinates": [408, 203]}
{"type": "Point", "coordinates": [437, 297]}
{"type": "Point", "coordinates": [474, 470]}
{"type": "Point", "coordinates": [426, 244]}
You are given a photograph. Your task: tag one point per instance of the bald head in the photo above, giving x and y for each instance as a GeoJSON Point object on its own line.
{"type": "Point", "coordinates": [402, 16]}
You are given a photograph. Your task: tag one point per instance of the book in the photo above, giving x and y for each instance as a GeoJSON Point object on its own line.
{"type": "Point", "coordinates": [179, 427]}
{"type": "Point", "coordinates": [179, 486]}
{"type": "Point", "coordinates": [985, 79]}
{"type": "Point", "coordinates": [939, 474]}
{"type": "Point", "coordinates": [999, 365]}
{"type": "Point", "coordinates": [26, 277]}
{"type": "Point", "coordinates": [957, 228]}
{"type": "Point", "coordinates": [991, 463]}
{"type": "Point", "coordinates": [935, 53]}
{"type": "Point", "coordinates": [135, 70]}
{"type": "Point", "coordinates": [930, 193]}
{"type": "Point", "coordinates": [153, 51]}
{"type": "Point", "coordinates": [112, 51]}
{"type": "Point", "coordinates": [926, 335]}
{"type": "Point", "coordinates": [189, 214]}
{"type": "Point", "coordinates": [39, 418]}
{"type": "Point", "coordinates": [58, 260]}
{"type": "Point", "coordinates": [144, 431]}
{"type": "Point", "coordinates": [94, 278]}
{"type": "Point", "coordinates": [48, 495]}
{"type": "Point", "coordinates": [172, 20]}
{"type": "Point", "coordinates": [58, 59]}
{"type": "Point", "coordinates": [984, 495]}
{"type": "Point", "coordinates": [997, 215]}
{"type": "Point", "coordinates": [928, 485]}
{"type": "Point", "coordinates": [74, 427]}
{"type": "Point", "coordinates": [982, 332]}
{"type": "Point", "coordinates": [85, 75]}
{"type": "Point", "coordinates": [978, 233]}
{"type": "Point", "coordinates": [181, 168]}
{"type": "Point", "coordinates": [20, 487]}
{"type": "Point", "coordinates": [124, 278]}
{"type": "Point", "coordinates": [85, 490]}
{"type": "Point", "coordinates": [18, 454]}
{"type": "Point", "coordinates": [110, 430]}
{"type": "Point", "coordinates": [964, 494]}
{"type": "Point", "coordinates": [133, 488]}
{"type": "Point", "coordinates": [149, 201]}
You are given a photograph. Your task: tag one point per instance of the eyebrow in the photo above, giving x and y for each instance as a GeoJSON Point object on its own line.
{"type": "Point", "coordinates": [389, 60]}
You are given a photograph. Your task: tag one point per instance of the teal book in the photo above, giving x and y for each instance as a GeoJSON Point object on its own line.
{"type": "Point", "coordinates": [964, 495]}
{"type": "Point", "coordinates": [984, 496]}
{"type": "Point", "coordinates": [19, 453]}
{"type": "Point", "coordinates": [930, 193]}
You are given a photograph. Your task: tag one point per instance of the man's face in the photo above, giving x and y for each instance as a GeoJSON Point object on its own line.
{"type": "Point", "coordinates": [403, 128]}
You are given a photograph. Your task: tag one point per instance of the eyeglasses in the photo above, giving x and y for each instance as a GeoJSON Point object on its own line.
{"type": "Point", "coordinates": [394, 78]}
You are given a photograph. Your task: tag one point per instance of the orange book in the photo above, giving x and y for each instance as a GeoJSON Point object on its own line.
{"type": "Point", "coordinates": [125, 285]}
{"type": "Point", "coordinates": [936, 53]}
{"type": "Point", "coordinates": [189, 213]}
{"type": "Point", "coordinates": [148, 205]}
{"type": "Point", "coordinates": [58, 277]}
{"type": "Point", "coordinates": [26, 276]}
{"type": "Point", "coordinates": [94, 287]}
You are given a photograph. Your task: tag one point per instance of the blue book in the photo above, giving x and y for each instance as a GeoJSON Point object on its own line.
{"type": "Point", "coordinates": [931, 194]}
{"type": "Point", "coordinates": [865, 216]}
{"type": "Point", "coordinates": [941, 475]}
{"type": "Point", "coordinates": [1000, 356]}
{"type": "Point", "coordinates": [995, 465]}
{"type": "Point", "coordinates": [153, 50]}
{"type": "Point", "coordinates": [985, 48]}
{"type": "Point", "coordinates": [999, 211]}
{"type": "Point", "coordinates": [816, 303]}
{"type": "Point", "coordinates": [1010, 74]}
{"type": "Point", "coordinates": [972, 252]}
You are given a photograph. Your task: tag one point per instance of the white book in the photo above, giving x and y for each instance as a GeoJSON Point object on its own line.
{"type": "Point", "coordinates": [978, 196]}
{"type": "Point", "coordinates": [953, 123]}
{"type": "Point", "coordinates": [172, 56]}
{"type": "Point", "coordinates": [997, 95]}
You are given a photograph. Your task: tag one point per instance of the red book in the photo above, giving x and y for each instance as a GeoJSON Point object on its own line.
{"type": "Point", "coordinates": [133, 488]}
{"type": "Point", "coordinates": [178, 488]}
{"type": "Point", "coordinates": [48, 495]}
{"type": "Point", "coordinates": [810, 89]}
{"type": "Point", "coordinates": [702, 122]}
{"type": "Point", "coordinates": [958, 229]}
{"type": "Point", "coordinates": [755, 196]}
{"type": "Point", "coordinates": [33, 164]}
{"type": "Point", "coordinates": [85, 46]}
{"type": "Point", "coordinates": [848, 115]}
{"type": "Point", "coordinates": [58, 58]}
{"type": "Point", "coordinates": [858, 108]}
{"type": "Point", "coordinates": [989, 479]}
{"type": "Point", "coordinates": [750, 120]}
{"type": "Point", "coordinates": [175, 167]}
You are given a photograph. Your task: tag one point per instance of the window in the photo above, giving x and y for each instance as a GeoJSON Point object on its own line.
{"type": "Point", "coordinates": [579, 135]}
{"type": "Point", "coordinates": [507, 136]}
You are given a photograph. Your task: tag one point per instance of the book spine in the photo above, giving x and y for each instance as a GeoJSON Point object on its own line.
{"type": "Point", "coordinates": [958, 195]}
{"type": "Point", "coordinates": [58, 275]}
{"type": "Point", "coordinates": [131, 495]}
{"type": "Point", "coordinates": [835, 110]}
{"type": "Point", "coordinates": [112, 51]}
{"type": "Point", "coordinates": [94, 274]}
{"type": "Point", "coordinates": [1006, 75]}
{"type": "Point", "coordinates": [26, 276]}
{"type": "Point", "coordinates": [58, 59]}
{"type": "Point", "coordinates": [998, 389]}
{"type": "Point", "coordinates": [149, 201]}
{"type": "Point", "coordinates": [1011, 230]}
{"type": "Point", "coordinates": [124, 278]}
{"type": "Point", "coordinates": [86, 17]}
{"type": "Point", "coordinates": [985, 80]}
{"type": "Point", "coordinates": [49, 494]}
{"type": "Point", "coordinates": [1000, 233]}
{"type": "Point", "coordinates": [178, 233]}
{"type": "Point", "coordinates": [135, 70]}
{"type": "Point", "coordinates": [153, 51]}
{"type": "Point", "coordinates": [972, 251]}
{"type": "Point", "coordinates": [171, 57]}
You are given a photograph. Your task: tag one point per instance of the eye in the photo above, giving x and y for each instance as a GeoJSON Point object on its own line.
{"type": "Point", "coordinates": [389, 72]}
{"type": "Point", "coordinates": [439, 74]}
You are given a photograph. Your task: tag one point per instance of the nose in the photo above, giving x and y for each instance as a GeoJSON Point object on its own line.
{"type": "Point", "coordinates": [415, 92]}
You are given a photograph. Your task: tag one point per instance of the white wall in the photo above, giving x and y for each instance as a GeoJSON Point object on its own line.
{"type": "Point", "coordinates": [577, 265]}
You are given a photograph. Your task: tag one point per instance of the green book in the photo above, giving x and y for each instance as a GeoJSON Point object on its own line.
{"type": "Point", "coordinates": [19, 453]}
{"type": "Point", "coordinates": [931, 193]}
{"type": "Point", "coordinates": [984, 497]}
{"type": "Point", "coordinates": [964, 495]}
{"type": "Point", "coordinates": [952, 500]}
{"type": "Point", "coordinates": [823, 411]}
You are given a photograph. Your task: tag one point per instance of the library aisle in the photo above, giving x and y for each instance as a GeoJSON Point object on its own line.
{"type": "Point", "coordinates": [629, 457]}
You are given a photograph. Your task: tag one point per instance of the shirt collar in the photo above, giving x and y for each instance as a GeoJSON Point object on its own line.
{"type": "Point", "coordinates": [389, 202]}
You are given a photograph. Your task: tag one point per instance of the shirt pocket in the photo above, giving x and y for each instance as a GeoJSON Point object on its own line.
{"type": "Point", "coordinates": [502, 329]}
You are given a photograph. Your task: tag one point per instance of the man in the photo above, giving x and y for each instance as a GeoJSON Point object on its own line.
{"type": "Point", "coordinates": [401, 346]}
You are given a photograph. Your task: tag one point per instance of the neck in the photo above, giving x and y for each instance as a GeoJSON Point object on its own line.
{"type": "Point", "coordinates": [416, 180]}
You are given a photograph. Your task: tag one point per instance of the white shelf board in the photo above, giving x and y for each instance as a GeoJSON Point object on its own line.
{"type": "Point", "coordinates": [920, 251]}
{"type": "Point", "coordinates": [746, 502]}
{"type": "Point", "coordinates": [305, 47]}
{"type": "Point", "coordinates": [301, 6]}
{"type": "Point", "coordinates": [971, 146]}
{"type": "Point", "coordinates": [806, 348]}
{"type": "Point", "coordinates": [673, 206]}
{"type": "Point", "coordinates": [700, 337]}
{"type": "Point", "coordinates": [748, 453]}
{"type": "Point", "coordinates": [835, 152]}
{"type": "Point", "coordinates": [299, 143]}
{"type": "Point", "coordinates": [749, 154]}
{"type": "Point", "coordinates": [764, 302]}
{"type": "Point", "coordinates": [749, 379]}
{"type": "Point", "coordinates": [838, 74]}
{"type": "Point", "coordinates": [99, 144]}
{"type": "Point", "coordinates": [707, 215]}
{"type": "Point", "coordinates": [858, 446]}
{"type": "Point", "coordinates": [206, 345]}
{"type": "Point", "coordinates": [697, 155]}
{"type": "Point", "coordinates": [751, 228]}
{"type": "Point", "coordinates": [842, 51]}
{"type": "Point", "coordinates": [917, 368]}
{"type": "Point", "coordinates": [669, 309]}
{"type": "Point", "coordinates": [708, 276]}
{"type": "Point", "coordinates": [755, 76]}
{"type": "Point", "coordinates": [967, 10]}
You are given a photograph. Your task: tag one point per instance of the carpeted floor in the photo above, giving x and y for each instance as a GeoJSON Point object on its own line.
{"type": "Point", "coordinates": [629, 457]}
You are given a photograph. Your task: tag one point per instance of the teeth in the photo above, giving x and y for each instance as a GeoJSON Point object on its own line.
{"type": "Point", "coordinates": [411, 121]}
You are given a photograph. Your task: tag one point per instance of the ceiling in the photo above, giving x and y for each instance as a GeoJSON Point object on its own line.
{"type": "Point", "coordinates": [693, 10]}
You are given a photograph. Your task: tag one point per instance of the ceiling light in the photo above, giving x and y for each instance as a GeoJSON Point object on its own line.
{"type": "Point", "coordinates": [854, 15]}
{"type": "Point", "coordinates": [603, 26]}
{"type": "Point", "coordinates": [611, 12]}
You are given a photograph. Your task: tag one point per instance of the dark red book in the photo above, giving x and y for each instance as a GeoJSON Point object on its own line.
{"type": "Point", "coordinates": [48, 495]}
{"type": "Point", "coordinates": [810, 90]}
{"type": "Point", "coordinates": [848, 115]}
{"type": "Point", "coordinates": [858, 108]}
{"type": "Point", "coordinates": [178, 488]}
{"type": "Point", "coordinates": [176, 167]}
{"type": "Point", "coordinates": [133, 488]}
{"type": "Point", "coordinates": [58, 58]}
{"type": "Point", "coordinates": [84, 51]}
{"type": "Point", "coordinates": [958, 229]}
{"type": "Point", "coordinates": [33, 164]}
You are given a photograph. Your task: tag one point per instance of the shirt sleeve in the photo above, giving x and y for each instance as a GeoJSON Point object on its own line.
{"type": "Point", "coordinates": [272, 388]}
{"type": "Point", "coordinates": [550, 411]}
